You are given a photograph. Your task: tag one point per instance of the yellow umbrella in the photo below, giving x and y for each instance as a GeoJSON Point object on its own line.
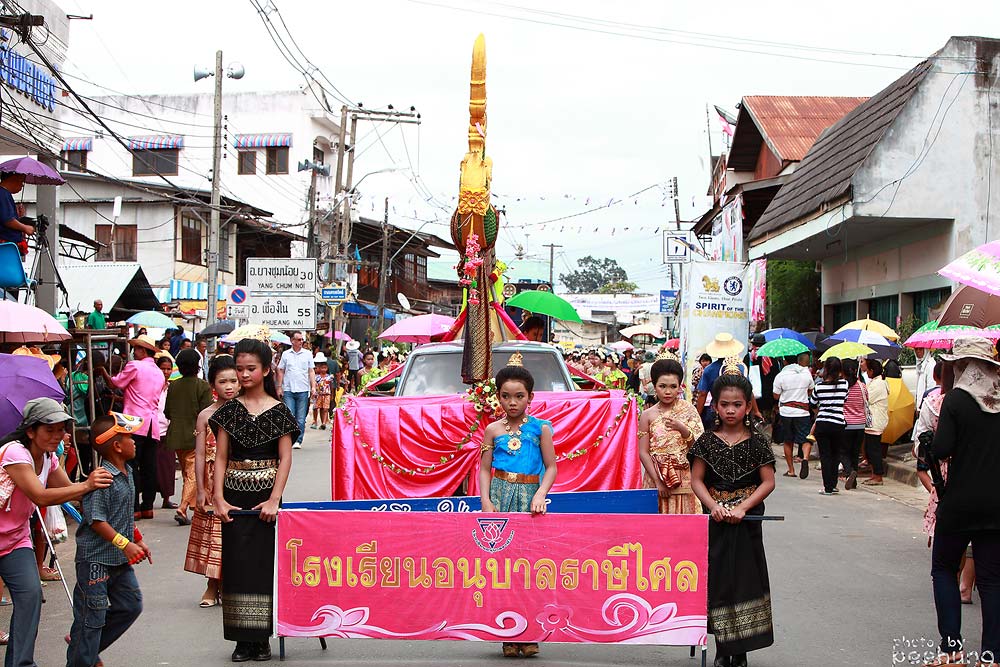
{"type": "Point", "coordinates": [901, 408]}
{"type": "Point", "coordinates": [847, 350]}
{"type": "Point", "coordinates": [870, 325]}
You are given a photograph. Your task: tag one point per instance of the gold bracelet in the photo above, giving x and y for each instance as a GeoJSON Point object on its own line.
{"type": "Point", "coordinates": [642, 433]}
{"type": "Point", "coordinates": [483, 448]}
{"type": "Point", "coordinates": [120, 541]}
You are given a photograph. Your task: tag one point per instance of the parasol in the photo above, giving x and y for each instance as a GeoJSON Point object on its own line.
{"type": "Point", "coordinates": [783, 333]}
{"type": "Point", "coordinates": [622, 346]}
{"type": "Point", "coordinates": [871, 325]}
{"type": "Point", "coordinates": [417, 329]}
{"type": "Point", "coordinates": [782, 347]}
{"type": "Point", "coordinates": [220, 328]}
{"type": "Point", "coordinates": [34, 172]}
{"type": "Point", "coordinates": [642, 330]}
{"type": "Point", "coordinates": [545, 303]}
{"type": "Point", "coordinates": [672, 343]}
{"type": "Point", "coordinates": [979, 268]}
{"type": "Point", "coordinates": [338, 335]}
{"type": "Point", "coordinates": [817, 339]}
{"type": "Point", "coordinates": [21, 323]}
{"type": "Point", "coordinates": [881, 347]}
{"type": "Point", "coordinates": [971, 307]}
{"type": "Point", "coordinates": [901, 409]}
{"type": "Point", "coordinates": [258, 332]}
{"type": "Point", "coordinates": [846, 351]}
{"type": "Point", "coordinates": [937, 337]}
{"type": "Point", "coordinates": [151, 318]}
{"type": "Point", "coordinates": [23, 378]}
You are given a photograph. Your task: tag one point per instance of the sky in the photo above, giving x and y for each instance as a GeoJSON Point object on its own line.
{"type": "Point", "coordinates": [588, 102]}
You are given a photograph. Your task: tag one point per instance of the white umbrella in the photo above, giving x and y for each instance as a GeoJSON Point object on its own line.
{"type": "Point", "coordinates": [642, 330]}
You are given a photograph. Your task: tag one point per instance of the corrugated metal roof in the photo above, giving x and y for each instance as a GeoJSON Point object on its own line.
{"type": "Point", "coordinates": [791, 124]}
{"type": "Point", "coordinates": [825, 173]}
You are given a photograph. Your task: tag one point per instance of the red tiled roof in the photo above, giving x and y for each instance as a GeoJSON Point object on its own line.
{"type": "Point", "coordinates": [791, 124]}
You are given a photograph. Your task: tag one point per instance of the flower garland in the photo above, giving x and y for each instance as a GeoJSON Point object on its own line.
{"type": "Point", "coordinates": [483, 395]}
{"type": "Point", "coordinates": [470, 267]}
{"type": "Point", "coordinates": [399, 469]}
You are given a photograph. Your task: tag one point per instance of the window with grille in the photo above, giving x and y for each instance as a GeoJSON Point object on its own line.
{"type": "Point", "coordinates": [408, 268]}
{"type": "Point", "coordinates": [421, 269]}
{"type": "Point", "coordinates": [885, 309]}
{"type": "Point", "coordinates": [75, 161]}
{"type": "Point", "coordinates": [191, 237]}
{"type": "Point", "coordinates": [125, 243]}
{"type": "Point", "coordinates": [224, 248]}
{"type": "Point", "coordinates": [247, 163]}
{"type": "Point", "coordinates": [153, 162]}
{"type": "Point", "coordinates": [318, 156]}
{"type": "Point", "coordinates": [277, 160]}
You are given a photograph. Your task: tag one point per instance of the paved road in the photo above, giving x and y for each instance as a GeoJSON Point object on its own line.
{"type": "Point", "coordinates": [849, 577]}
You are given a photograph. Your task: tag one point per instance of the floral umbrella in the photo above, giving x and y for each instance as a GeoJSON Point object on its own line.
{"type": "Point", "coordinates": [979, 268]}
{"type": "Point", "coordinates": [934, 336]}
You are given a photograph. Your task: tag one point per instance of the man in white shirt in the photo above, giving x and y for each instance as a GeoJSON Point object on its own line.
{"type": "Point", "coordinates": [925, 374]}
{"type": "Point", "coordinates": [791, 391]}
{"type": "Point", "coordinates": [297, 382]}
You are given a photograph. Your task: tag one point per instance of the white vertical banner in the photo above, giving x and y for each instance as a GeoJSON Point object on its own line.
{"type": "Point", "coordinates": [715, 299]}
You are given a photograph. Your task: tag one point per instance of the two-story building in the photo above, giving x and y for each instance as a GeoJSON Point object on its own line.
{"type": "Point", "coordinates": [896, 189]}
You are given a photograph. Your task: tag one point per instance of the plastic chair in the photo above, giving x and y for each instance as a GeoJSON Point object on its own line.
{"type": "Point", "coordinates": [12, 274]}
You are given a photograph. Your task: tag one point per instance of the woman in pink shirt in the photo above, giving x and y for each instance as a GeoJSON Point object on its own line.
{"type": "Point", "coordinates": [31, 476]}
{"type": "Point", "coordinates": [856, 420]}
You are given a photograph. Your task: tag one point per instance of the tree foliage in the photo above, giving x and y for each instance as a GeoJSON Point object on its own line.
{"type": "Point", "coordinates": [595, 274]}
{"type": "Point", "coordinates": [620, 287]}
{"type": "Point", "coordinates": [793, 295]}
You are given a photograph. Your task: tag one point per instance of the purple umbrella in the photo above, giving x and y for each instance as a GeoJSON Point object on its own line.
{"type": "Point", "coordinates": [23, 378]}
{"type": "Point", "coordinates": [34, 171]}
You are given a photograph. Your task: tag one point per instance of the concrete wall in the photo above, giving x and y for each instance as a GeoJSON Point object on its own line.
{"type": "Point", "coordinates": [292, 112]}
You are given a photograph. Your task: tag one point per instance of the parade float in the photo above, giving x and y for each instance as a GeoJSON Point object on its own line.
{"type": "Point", "coordinates": [415, 445]}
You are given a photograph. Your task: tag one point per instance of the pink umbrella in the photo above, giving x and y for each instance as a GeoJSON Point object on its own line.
{"type": "Point", "coordinates": [338, 335]}
{"type": "Point", "coordinates": [979, 268]}
{"type": "Point", "coordinates": [418, 329]}
{"type": "Point", "coordinates": [622, 346]}
{"type": "Point", "coordinates": [20, 323]}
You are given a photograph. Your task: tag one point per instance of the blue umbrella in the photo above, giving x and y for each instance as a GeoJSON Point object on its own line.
{"type": "Point", "coordinates": [151, 318]}
{"type": "Point", "coordinates": [783, 333]}
{"type": "Point", "coordinates": [24, 378]}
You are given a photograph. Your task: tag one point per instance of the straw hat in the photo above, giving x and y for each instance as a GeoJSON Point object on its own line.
{"type": "Point", "coordinates": [972, 347]}
{"type": "Point", "coordinates": [144, 341]}
{"type": "Point", "coordinates": [352, 345]}
{"type": "Point", "coordinates": [724, 346]}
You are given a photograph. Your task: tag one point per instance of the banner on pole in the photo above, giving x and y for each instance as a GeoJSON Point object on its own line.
{"type": "Point", "coordinates": [640, 579]}
{"type": "Point", "coordinates": [715, 299]}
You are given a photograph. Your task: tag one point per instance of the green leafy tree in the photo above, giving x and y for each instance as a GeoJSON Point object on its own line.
{"type": "Point", "coordinates": [793, 295]}
{"type": "Point", "coordinates": [905, 330]}
{"type": "Point", "coordinates": [594, 274]}
{"type": "Point", "coordinates": [620, 287]}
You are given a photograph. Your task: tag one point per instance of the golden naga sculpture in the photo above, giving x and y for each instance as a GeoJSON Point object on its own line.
{"type": "Point", "coordinates": [476, 217]}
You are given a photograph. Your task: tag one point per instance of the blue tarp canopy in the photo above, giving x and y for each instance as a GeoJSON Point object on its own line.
{"type": "Point", "coordinates": [364, 309]}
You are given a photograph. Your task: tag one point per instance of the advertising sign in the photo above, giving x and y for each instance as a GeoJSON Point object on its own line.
{"type": "Point", "coordinates": [715, 300]}
{"type": "Point", "coordinates": [281, 276]}
{"type": "Point", "coordinates": [640, 579]}
{"type": "Point", "coordinates": [727, 232]}
{"type": "Point", "coordinates": [283, 312]}
{"type": "Point", "coordinates": [667, 299]}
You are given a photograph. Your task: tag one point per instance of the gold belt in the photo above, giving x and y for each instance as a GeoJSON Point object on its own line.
{"type": "Point", "coordinates": [252, 475]}
{"type": "Point", "coordinates": [732, 498]}
{"type": "Point", "coordinates": [515, 477]}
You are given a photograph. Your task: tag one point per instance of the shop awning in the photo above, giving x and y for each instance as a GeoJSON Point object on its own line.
{"type": "Point", "coordinates": [156, 142]}
{"type": "Point", "coordinates": [121, 285]}
{"type": "Point", "coordinates": [80, 144]}
{"type": "Point", "coordinates": [196, 291]}
{"type": "Point", "coordinates": [366, 310]}
{"type": "Point", "coordinates": [262, 140]}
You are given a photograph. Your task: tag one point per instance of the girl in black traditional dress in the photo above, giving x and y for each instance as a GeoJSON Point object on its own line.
{"type": "Point", "coordinates": [732, 472]}
{"type": "Point", "coordinates": [252, 460]}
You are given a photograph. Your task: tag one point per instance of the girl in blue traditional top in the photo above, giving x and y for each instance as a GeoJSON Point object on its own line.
{"type": "Point", "coordinates": [518, 465]}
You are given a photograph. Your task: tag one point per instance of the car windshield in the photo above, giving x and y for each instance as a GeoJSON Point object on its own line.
{"type": "Point", "coordinates": [441, 373]}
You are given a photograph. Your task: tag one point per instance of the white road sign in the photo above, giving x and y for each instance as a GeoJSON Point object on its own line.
{"type": "Point", "coordinates": [237, 311]}
{"type": "Point", "coordinates": [281, 276]}
{"type": "Point", "coordinates": [284, 312]}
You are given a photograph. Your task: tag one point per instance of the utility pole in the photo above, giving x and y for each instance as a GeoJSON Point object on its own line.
{"type": "Point", "coordinates": [552, 258]}
{"type": "Point", "coordinates": [677, 204]}
{"type": "Point", "coordinates": [385, 269]}
{"type": "Point", "coordinates": [312, 242]}
{"type": "Point", "coordinates": [348, 227]}
{"type": "Point", "coordinates": [213, 225]}
{"type": "Point", "coordinates": [339, 191]}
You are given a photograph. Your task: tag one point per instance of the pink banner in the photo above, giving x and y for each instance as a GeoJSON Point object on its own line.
{"type": "Point", "coordinates": [423, 447]}
{"type": "Point", "coordinates": [626, 578]}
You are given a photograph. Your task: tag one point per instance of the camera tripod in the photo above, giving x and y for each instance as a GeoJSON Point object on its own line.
{"type": "Point", "coordinates": [43, 252]}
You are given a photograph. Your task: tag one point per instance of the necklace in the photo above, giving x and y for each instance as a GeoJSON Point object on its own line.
{"type": "Point", "coordinates": [728, 442]}
{"type": "Point", "coordinates": [514, 442]}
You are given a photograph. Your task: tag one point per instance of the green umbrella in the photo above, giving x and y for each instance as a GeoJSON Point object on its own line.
{"type": "Point", "coordinates": [782, 347]}
{"type": "Point", "coordinates": [545, 303]}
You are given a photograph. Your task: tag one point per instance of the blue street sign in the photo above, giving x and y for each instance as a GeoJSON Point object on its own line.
{"type": "Point", "coordinates": [667, 299]}
{"type": "Point", "coordinates": [238, 295]}
{"type": "Point", "coordinates": [642, 501]}
{"type": "Point", "coordinates": [334, 294]}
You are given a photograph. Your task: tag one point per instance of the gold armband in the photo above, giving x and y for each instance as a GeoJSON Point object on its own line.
{"type": "Point", "coordinates": [485, 448]}
{"type": "Point", "coordinates": [642, 434]}
{"type": "Point", "coordinates": [120, 541]}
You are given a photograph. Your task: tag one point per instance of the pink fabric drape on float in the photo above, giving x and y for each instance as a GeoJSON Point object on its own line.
{"type": "Point", "coordinates": [421, 447]}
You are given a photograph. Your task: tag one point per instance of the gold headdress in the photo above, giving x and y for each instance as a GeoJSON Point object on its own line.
{"type": "Point", "coordinates": [666, 354]}
{"type": "Point", "coordinates": [731, 366]}
{"type": "Point", "coordinates": [516, 359]}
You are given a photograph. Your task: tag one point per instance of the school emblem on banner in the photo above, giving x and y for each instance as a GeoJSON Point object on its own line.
{"type": "Point", "coordinates": [492, 530]}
